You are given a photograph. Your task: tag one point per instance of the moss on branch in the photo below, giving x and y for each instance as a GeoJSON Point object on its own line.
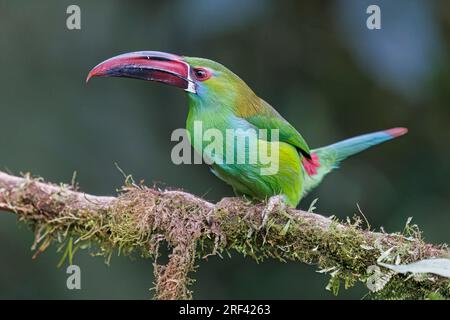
{"type": "Point", "coordinates": [139, 219]}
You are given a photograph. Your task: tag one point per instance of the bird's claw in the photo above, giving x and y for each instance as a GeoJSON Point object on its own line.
{"type": "Point", "coordinates": [274, 202]}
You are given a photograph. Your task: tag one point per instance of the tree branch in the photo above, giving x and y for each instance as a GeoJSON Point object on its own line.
{"type": "Point", "coordinates": [139, 219]}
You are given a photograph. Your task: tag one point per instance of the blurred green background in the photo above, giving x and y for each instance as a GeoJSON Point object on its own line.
{"type": "Point", "coordinates": [315, 61]}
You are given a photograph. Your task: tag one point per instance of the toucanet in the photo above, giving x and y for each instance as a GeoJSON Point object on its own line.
{"type": "Point", "coordinates": [220, 100]}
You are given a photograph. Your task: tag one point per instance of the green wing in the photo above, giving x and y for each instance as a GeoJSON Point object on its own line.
{"type": "Point", "coordinates": [268, 118]}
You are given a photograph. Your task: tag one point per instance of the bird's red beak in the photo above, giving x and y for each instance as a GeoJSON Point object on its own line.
{"type": "Point", "coordinates": [147, 65]}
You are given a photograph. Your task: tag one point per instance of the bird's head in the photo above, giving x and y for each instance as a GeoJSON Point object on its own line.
{"type": "Point", "coordinates": [200, 78]}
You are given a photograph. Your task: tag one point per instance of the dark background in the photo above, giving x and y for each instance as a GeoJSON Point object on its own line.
{"type": "Point", "coordinates": [315, 61]}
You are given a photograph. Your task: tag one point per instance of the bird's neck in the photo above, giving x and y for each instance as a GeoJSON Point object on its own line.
{"type": "Point", "coordinates": [213, 115]}
{"type": "Point", "coordinates": [212, 105]}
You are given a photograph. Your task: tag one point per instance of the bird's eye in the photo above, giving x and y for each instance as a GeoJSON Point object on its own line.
{"type": "Point", "coordinates": [202, 74]}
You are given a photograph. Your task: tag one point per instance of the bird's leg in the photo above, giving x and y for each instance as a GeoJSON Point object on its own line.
{"type": "Point", "coordinates": [274, 202]}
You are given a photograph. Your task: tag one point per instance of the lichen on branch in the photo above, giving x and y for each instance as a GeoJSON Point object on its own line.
{"type": "Point", "coordinates": [140, 219]}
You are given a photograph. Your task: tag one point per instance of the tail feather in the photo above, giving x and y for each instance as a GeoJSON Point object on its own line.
{"type": "Point", "coordinates": [330, 156]}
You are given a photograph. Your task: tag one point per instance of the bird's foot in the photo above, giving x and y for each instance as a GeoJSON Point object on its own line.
{"type": "Point", "coordinates": [274, 202]}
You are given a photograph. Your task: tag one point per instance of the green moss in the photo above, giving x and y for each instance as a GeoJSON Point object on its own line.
{"type": "Point", "coordinates": [342, 250]}
{"type": "Point", "coordinates": [142, 218]}
{"type": "Point", "coordinates": [401, 287]}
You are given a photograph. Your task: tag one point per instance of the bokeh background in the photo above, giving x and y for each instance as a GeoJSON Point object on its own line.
{"type": "Point", "coordinates": [315, 61]}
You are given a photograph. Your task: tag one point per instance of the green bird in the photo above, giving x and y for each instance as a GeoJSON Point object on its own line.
{"type": "Point", "coordinates": [220, 100]}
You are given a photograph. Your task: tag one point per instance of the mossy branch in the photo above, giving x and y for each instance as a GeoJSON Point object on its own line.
{"type": "Point", "coordinates": [139, 219]}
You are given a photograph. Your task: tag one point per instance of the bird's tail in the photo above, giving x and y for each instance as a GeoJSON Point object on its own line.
{"type": "Point", "coordinates": [325, 159]}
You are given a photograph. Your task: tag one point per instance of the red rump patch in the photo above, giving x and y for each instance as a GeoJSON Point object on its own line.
{"type": "Point", "coordinates": [311, 165]}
